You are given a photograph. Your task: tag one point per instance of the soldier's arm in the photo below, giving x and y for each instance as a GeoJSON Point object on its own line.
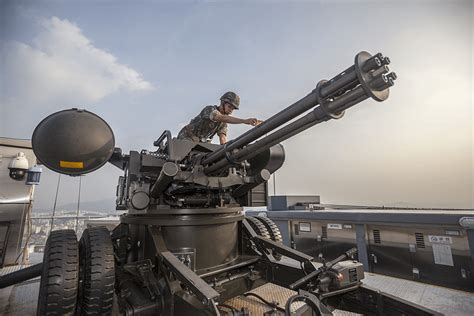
{"type": "Point", "coordinates": [222, 138]}
{"type": "Point", "coordinates": [235, 120]}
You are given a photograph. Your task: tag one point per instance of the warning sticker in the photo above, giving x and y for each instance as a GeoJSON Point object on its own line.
{"type": "Point", "coordinates": [305, 227]}
{"type": "Point", "coordinates": [442, 254]}
{"type": "Point", "coordinates": [71, 164]}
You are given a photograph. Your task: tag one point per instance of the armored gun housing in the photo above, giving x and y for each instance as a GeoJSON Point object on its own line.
{"type": "Point", "coordinates": [184, 246]}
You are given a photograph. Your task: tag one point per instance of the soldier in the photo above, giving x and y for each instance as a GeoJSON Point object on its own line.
{"type": "Point", "coordinates": [213, 120]}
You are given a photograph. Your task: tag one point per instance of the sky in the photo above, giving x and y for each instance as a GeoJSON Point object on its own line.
{"type": "Point", "coordinates": [147, 66]}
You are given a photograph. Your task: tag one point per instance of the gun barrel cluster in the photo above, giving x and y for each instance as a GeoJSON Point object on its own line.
{"type": "Point", "coordinates": [368, 77]}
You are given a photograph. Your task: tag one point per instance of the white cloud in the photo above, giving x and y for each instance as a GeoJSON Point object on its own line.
{"type": "Point", "coordinates": [61, 68]}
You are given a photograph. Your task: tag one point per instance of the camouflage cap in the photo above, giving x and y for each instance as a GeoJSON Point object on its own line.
{"type": "Point", "coordinates": [232, 98]}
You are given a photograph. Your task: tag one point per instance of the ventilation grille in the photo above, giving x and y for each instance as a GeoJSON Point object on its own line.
{"type": "Point", "coordinates": [420, 240]}
{"type": "Point", "coordinates": [324, 232]}
{"type": "Point", "coordinates": [376, 233]}
{"type": "Point", "coordinates": [353, 275]}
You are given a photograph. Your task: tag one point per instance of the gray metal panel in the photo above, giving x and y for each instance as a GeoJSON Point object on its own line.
{"type": "Point", "coordinates": [397, 249]}
{"type": "Point", "coordinates": [362, 246]}
{"type": "Point", "coordinates": [444, 300]}
{"type": "Point", "coordinates": [15, 198]}
{"type": "Point", "coordinates": [258, 196]}
{"type": "Point", "coordinates": [386, 217]}
{"type": "Point", "coordinates": [470, 239]}
{"type": "Point", "coordinates": [12, 216]}
{"type": "Point", "coordinates": [284, 202]}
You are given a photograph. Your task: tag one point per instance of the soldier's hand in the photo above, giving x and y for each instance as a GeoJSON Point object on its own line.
{"type": "Point", "coordinates": [252, 121]}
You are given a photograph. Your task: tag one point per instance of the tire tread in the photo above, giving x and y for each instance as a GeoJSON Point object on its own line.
{"type": "Point", "coordinates": [60, 275]}
{"type": "Point", "coordinates": [98, 272]}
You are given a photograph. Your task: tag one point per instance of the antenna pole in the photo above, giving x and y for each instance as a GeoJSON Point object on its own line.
{"type": "Point", "coordinates": [55, 201]}
{"type": "Point", "coordinates": [78, 203]}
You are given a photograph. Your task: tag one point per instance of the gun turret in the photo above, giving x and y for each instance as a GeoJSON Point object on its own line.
{"type": "Point", "coordinates": [181, 173]}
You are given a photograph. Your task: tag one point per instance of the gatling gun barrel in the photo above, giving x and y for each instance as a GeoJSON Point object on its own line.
{"type": "Point", "coordinates": [368, 77]}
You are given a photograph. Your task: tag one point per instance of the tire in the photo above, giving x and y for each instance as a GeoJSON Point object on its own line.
{"type": "Point", "coordinates": [274, 232]}
{"type": "Point", "coordinates": [60, 275]}
{"type": "Point", "coordinates": [259, 228]}
{"type": "Point", "coordinates": [97, 272]}
{"type": "Point", "coordinates": [272, 228]}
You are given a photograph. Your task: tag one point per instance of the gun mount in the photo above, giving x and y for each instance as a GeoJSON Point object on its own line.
{"type": "Point", "coordinates": [184, 174]}
{"type": "Point", "coordinates": [184, 246]}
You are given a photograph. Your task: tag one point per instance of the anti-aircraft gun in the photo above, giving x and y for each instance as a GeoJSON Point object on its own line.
{"type": "Point", "coordinates": [185, 247]}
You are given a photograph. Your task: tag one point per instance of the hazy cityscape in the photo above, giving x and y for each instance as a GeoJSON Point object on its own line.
{"type": "Point", "coordinates": [43, 223]}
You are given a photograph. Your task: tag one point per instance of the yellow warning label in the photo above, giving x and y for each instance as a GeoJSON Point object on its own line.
{"type": "Point", "coordinates": [71, 164]}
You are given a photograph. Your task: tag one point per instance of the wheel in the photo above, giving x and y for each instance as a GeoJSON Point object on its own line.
{"type": "Point", "coordinates": [272, 228]}
{"type": "Point", "coordinates": [97, 272]}
{"type": "Point", "coordinates": [60, 275]}
{"type": "Point", "coordinates": [274, 232]}
{"type": "Point", "coordinates": [259, 228]}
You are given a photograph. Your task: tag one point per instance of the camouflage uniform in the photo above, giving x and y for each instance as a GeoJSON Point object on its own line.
{"type": "Point", "coordinates": [203, 127]}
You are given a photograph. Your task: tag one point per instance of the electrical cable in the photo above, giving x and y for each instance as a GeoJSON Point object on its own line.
{"type": "Point", "coordinates": [303, 298]}
{"type": "Point", "coordinates": [273, 305]}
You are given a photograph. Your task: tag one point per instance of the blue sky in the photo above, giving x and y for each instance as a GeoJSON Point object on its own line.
{"type": "Point", "coordinates": [146, 66]}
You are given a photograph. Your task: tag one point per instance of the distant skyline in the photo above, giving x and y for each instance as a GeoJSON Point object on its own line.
{"type": "Point", "coordinates": [147, 66]}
